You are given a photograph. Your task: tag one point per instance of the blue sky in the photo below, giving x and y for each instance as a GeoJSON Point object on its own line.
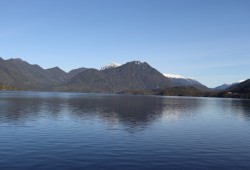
{"type": "Point", "coordinates": [208, 40]}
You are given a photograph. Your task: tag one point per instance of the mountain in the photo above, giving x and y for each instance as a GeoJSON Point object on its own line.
{"type": "Point", "coordinates": [90, 80]}
{"type": "Point", "coordinates": [18, 73]}
{"type": "Point", "coordinates": [223, 86]}
{"type": "Point", "coordinates": [111, 65]}
{"type": "Point", "coordinates": [227, 85]}
{"type": "Point", "coordinates": [74, 72]}
{"type": "Point", "coordinates": [241, 90]}
{"type": "Point", "coordinates": [179, 80]}
{"type": "Point", "coordinates": [5, 78]}
{"type": "Point", "coordinates": [113, 78]}
{"type": "Point", "coordinates": [135, 75]}
{"type": "Point", "coordinates": [132, 75]}
{"type": "Point", "coordinates": [57, 74]}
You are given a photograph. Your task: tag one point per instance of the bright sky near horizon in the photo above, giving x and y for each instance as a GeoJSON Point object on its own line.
{"type": "Point", "coordinates": [208, 40]}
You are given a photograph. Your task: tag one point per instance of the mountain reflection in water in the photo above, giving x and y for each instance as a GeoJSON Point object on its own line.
{"type": "Point", "coordinates": [134, 112]}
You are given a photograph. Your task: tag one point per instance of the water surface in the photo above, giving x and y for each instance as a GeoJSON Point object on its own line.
{"type": "Point", "coordinates": [97, 131]}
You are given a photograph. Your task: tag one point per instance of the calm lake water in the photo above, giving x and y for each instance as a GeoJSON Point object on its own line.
{"type": "Point", "coordinates": [96, 131]}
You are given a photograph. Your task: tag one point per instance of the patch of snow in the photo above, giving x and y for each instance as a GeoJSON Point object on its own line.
{"type": "Point", "coordinates": [176, 76]}
{"type": "Point", "coordinates": [240, 81]}
{"type": "Point", "coordinates": [111, 65]}
{"type": "Point", "coordinates": [138, 62]}
{"type": "Point", "coordinates": [229, 84]}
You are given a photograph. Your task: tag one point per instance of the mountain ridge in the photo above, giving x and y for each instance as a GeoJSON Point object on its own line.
{"type": "Point", "coordinates": [133, 75]}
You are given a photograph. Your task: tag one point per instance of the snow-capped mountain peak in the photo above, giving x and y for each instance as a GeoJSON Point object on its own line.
{"type": "Point", "coordinates": [174, 76]}
{"type": "Point", "coordinates": [111, 65]}
{"type": "Point", "coordinates": [138, 62]}
{"type": "Point", "coordinates": [179, 80]}
{"type": "Point", "coordinates": [240, 81]}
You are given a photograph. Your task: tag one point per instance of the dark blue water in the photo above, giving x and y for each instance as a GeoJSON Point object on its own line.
{"type": "Point", "coordinates": [95, 131]}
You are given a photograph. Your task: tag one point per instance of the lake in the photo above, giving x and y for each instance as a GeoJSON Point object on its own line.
{"type": "Point", "coordinates": [40, 130]}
